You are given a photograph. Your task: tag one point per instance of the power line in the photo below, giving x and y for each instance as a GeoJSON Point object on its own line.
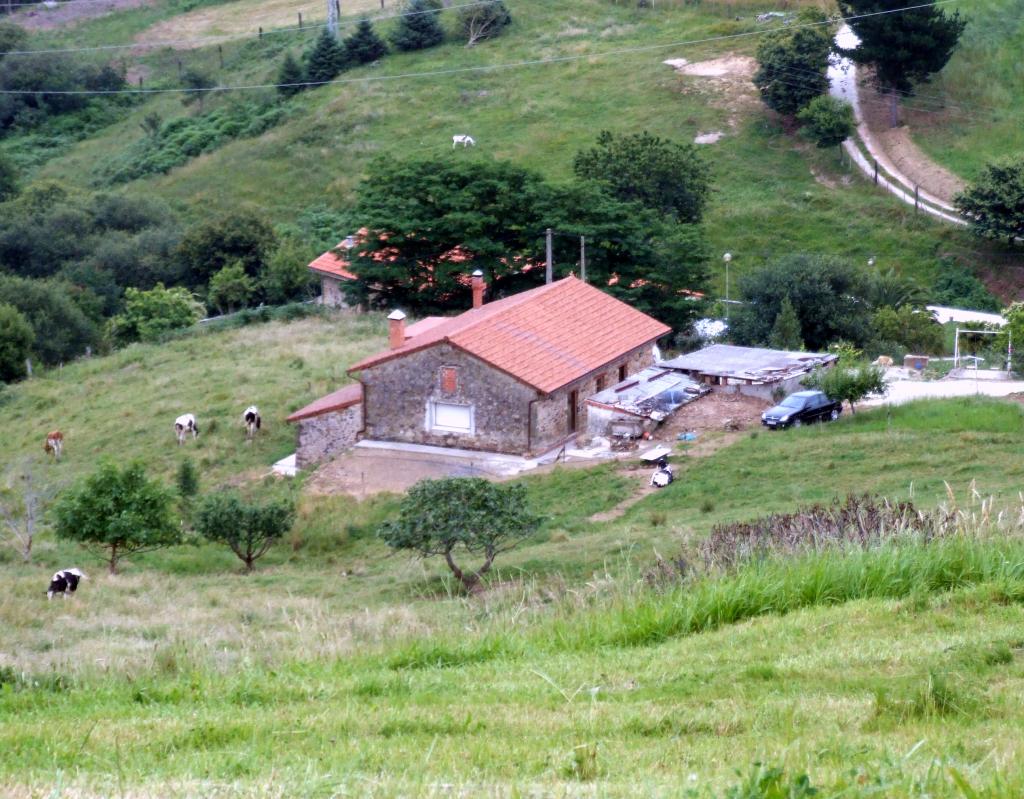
{"type": "Point", "coordinates": [460, 70]}
{"type": "Point", "coordinates": [222, 39]}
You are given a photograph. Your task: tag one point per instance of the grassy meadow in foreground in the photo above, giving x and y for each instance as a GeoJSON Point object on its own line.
{"type": "Point", "coordinates": [341, 669]}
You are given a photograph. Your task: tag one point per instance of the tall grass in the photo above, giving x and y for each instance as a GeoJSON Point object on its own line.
{"type": "Point", "coordinates": [639, 617]}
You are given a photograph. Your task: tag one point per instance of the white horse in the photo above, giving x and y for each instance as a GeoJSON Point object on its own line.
{"type": "Point", "coordinates": [463, 139]}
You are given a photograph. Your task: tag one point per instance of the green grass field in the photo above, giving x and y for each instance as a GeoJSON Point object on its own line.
{"type": "Point", "coordinates": [972, 110]}
{"type": "Point", "coordinates": [339, 668]}
{"type": "Point", "coordinates": [774, 193]}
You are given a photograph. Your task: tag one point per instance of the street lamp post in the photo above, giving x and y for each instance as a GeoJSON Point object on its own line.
{"type": "Point", "coordinates": [727, 258]}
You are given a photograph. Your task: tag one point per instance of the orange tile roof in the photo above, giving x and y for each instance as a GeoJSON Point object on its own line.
{"type": "Point", "coordinates": [339, 400]}
{"type": "Point", "coordinates": [546, 337]}
{"type": "Point", "coordinates": [332, 264]}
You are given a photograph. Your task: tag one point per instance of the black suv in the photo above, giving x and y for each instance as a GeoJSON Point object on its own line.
{"type": "Point", "coordinates": [801, 408]}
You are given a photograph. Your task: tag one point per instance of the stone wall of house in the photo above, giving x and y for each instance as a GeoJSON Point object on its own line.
{"type": "Point", "coordinates": [399, 396]}
{"type": "Point", "coordinates": [551, 415]}
{"type": "Point", "coordinates": [322, 437]}
{"type": "Point", "coordinates": [331, 293]}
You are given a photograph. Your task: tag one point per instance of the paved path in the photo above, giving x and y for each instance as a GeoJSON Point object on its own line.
{"type": "Point", "coordinates": [842, 75]}
{"type": "Point", "coordinates": [908, 390]}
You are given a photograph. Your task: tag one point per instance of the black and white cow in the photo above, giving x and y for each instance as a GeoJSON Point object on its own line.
{"type": "Point", "coordinates": [64, 582]}
{"type": "Point", "coordinates": [185, 424]}
{"type": "Point", "coordinates": [252, 421]}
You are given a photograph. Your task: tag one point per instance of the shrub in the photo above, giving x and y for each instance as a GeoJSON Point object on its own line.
{"type": "Point", "coordinates": [231, 288]}
{"type": "Point", "coordinates": [326, 59]}
{"type": "Point", "coordinates": [793, 64]}
{"type": "Point", "coordinates": [16, 337]}
{"type": "Point", "coordinates": [994, 203]}
{"type": "Point", "coordinates": [150, 315]}
{"type": "Point", "coordinates": [827, 121]}
{"type": "Point", "coordinates": [290, 77]}
{"type": "Point", "coordinates": [859, 521]}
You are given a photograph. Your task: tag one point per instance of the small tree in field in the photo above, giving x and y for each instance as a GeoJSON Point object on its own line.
{"type": "Point", "coordinates": [994, 203]}
{"type": "Point", "coordinates": [484, 21]}
{"type": "Point", "coordinates": [438, 517]}
{"type": "Point", "coordinates": [418, 28]}
{"type": "Point", "coordinates": [290, 77]}
{"type": "Point", "coordinates": [119, 512]}
{"type": "Point", "coordinates": [786, 330]}
{"type": "Point", "coordinates": [197, 86]}
{"type": "Point", "coordinates": [247, 528]}
{"type": "Point", "coordinates": [828, 122]}
{"type": "Point", "coordinates": [364, 46]}
{"type": "Point", "coordinates": [846, 382]}
{"type": "Point", "coordinates": [23, 498]}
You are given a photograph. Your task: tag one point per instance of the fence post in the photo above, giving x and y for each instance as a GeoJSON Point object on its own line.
{"type": "Point", "coordinates": [917, 199]}
{"type": "Point", "coordinates": [300, 20]}
{"type": "Point", "coordinates": [261, 33]}
{"type": "Point", "coordinates": [220, 53]}
{"type": "Point", "coordinates": [876, 170]}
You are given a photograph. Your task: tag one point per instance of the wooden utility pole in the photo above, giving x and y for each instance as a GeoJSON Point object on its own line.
{"type": "Point", "coordinates": [583, 258]}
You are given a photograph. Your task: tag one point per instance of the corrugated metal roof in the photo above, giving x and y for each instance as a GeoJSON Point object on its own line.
{"type": "Point", "coordinates": [748, 363]}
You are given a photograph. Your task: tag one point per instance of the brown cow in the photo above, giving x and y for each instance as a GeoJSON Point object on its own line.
{"type": "Point", "coordinates": [54, 444]}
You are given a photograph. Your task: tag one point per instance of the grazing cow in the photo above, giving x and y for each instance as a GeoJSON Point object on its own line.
{"type": "Point", "coordinates": [185, 424]}
{"type": "Point", "coordinates": [64, 582]}
{"type": "Point", "coordinates": [54, 444]}
{"type": "Point", "coordinates": [883, 360]}
{"type": "Point", "coordinates": [252, 420]}
{"type": "Point", "coordinates": [463, 139]}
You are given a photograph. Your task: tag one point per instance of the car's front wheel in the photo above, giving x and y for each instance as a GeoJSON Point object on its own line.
{"type": "Point", "coordinates": [834, 415]}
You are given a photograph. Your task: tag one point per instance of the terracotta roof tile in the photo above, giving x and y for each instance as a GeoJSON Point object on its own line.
{"type": "Point", "coordinates": [546, 337]}
{"type": "Point", "coordinates": [331, 264]}
{"type": "Point", "coordinates": [339, 400]}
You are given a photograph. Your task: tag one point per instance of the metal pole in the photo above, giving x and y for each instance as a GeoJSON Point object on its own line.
{"type": "Point", "coordinates": [956, 349]}
{"type": "Point", "coordinates": [583, 258]}
{"type": "Point", "coordinates": [1009, 350]}
{"type": "Point", "coordinates": [550, 258]}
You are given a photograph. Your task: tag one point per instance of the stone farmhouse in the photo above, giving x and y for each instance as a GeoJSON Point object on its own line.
{"type": "Point", "coordinates": [509, 376]}
{"type": "Point", "coordinates": [333, 271]}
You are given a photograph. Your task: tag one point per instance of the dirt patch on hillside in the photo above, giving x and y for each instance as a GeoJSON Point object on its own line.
{"type": "Point", "coordinates": [69, 14]}
{"type": "Point", "coordinates": [906, 156]}
{"type": "Point", "coordinates": [734, 67]}
{"type": "Point", "coordinates": [708, 418]}
{"type": "Point", "coordinates": [221, 22]}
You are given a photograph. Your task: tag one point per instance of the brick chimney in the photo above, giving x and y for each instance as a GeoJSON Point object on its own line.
{"type": "Point", "coordinates": [478, 288]}
{"type": "Point", "coordinates": [396, 329]}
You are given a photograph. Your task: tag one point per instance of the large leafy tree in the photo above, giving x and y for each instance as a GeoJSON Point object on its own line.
{"type": "Point", "coordinates": [826, 293]}
{"type": "Point", "coordinates": [432, 223]}
{"type": "Point", "coordinates": [904, 41]}
{"type": "Point", "coordinates": [419, 27]}
{"type": "Point", "coordinates": [364, 45]}
{"type": "Point", "coordinates": [248, 529]}
{"type": "Point", "coordinates": [62, 329]}
{"type": "Point", "coordinates": [633, 252]}
{"type": "Point", "coordinates": [664, 175]}
{"type": "Point", "coordinates": [118, 512]}
{"type": "Point", "coordinates": [241, 236]}
{"type": "Point", "coordinates": [467, 514]}
{"type": "Point", "coordinates": [793, 63]}
{"type": "Point", "coordinates": [994, 203]}
{"type": "Point", "coordinates": [16, 337]}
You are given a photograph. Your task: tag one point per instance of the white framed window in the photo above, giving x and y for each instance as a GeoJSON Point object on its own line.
{"type": "Point", "coordinates": [447, 417]}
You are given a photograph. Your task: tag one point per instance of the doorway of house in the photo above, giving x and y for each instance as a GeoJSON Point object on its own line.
{"type": "Point", "coordinates": [574, 397]}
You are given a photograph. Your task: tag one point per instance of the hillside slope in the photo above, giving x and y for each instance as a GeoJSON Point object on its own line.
{"type": "Point", "coordinates": [774, 193]}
